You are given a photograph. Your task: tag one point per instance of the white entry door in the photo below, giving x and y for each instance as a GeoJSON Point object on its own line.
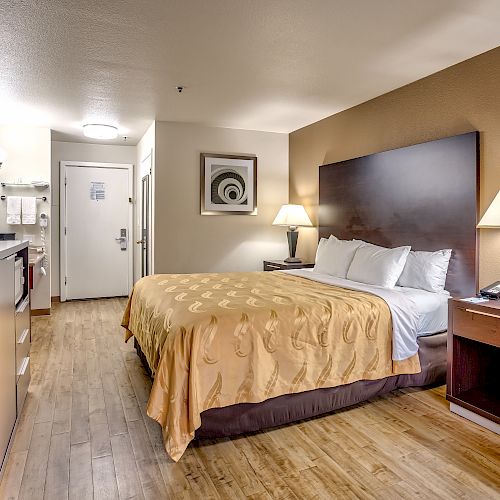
{"type": "Point", "coordinates": [96, 250]}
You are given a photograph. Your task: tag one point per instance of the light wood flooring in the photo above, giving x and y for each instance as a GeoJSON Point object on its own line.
{"type": "Point", "coordinates": [84, 434]}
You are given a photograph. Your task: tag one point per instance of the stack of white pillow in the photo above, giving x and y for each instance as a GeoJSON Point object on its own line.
{"type": "Point", "coordinates": [363, 262]}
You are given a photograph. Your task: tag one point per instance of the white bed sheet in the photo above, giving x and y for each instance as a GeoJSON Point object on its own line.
{"type": "Point", "coordinates": [414, 312]}
{"type": "Point", "coordinates": [432, 309]}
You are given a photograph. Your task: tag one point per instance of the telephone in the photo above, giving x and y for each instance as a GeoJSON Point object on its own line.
{"type": "Point", "coordinates": [491, 291]}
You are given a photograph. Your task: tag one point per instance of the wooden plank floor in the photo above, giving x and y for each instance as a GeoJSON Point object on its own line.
{"type": "Point", "coordinates": [84, 434]}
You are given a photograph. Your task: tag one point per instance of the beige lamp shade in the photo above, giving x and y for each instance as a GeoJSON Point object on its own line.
{"type": "Point", "coordinates": [491, 217]}
{"type": "Point", "coordinates": [292, 215]}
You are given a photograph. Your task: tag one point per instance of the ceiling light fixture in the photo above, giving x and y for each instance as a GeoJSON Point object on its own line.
{"type": "Point", "coordinates": [100, 131]}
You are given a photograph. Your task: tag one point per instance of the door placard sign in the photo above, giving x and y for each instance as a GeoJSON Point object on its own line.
{"type": "Point", "coordinates": [97, 190]}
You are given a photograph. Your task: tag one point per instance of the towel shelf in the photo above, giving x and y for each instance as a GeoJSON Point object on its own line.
{"type": "Point", "coordinates": [43, 198]}
{"type": "Point", "coordinates": [38, 184]}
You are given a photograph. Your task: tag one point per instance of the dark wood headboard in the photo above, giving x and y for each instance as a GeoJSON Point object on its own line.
{"type": "Point", "coordinates": [425, 196]}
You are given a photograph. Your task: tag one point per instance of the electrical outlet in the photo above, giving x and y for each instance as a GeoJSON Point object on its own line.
{"type": "Point", "coordinates": [29, 237]}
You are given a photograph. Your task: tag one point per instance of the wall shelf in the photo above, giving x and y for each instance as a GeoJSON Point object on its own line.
{"type": "Point", "coordinates": [36, 184]}
{"type": "Point", "coordinates": [43, 198]}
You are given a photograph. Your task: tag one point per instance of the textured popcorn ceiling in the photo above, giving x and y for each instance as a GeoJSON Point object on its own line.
{"type": "Point", "coordinates": [255, 64]}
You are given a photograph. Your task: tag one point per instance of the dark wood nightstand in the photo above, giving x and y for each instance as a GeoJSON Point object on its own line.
{"type": "Point", "coordinates": [473, 383]}
{"type": "Point", "coordinates": [275, 265]}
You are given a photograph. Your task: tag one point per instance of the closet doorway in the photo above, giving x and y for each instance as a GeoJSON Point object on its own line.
{"type": "Point", "coordinates": [145, 223]}
{"type": "Point", "coordinates": [145, 220]}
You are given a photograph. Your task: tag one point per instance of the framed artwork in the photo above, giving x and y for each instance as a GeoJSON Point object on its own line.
{"type": "Point", "coordinates": [228, 184]}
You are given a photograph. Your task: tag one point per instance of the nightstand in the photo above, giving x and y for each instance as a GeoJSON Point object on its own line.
{"type": "Point", "coordinates": [275, 265]}
{"type": "Point", "coordinates": [473, 377]}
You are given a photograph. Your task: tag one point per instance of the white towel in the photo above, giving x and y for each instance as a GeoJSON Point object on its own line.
{"type": "Point", "coordinates": [29, 209]}
{"type": "Point", "coordinates": [13, 210]}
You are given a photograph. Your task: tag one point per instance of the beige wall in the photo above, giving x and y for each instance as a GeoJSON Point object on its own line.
{"type": "Point", "coordinates": [76, 151]}
{"type": "Point", "coordinates": [186, 241]}
{"type": "Point", "coordinates": [28, 159]}
{"type": "Point", "coordinates": [460, 99]}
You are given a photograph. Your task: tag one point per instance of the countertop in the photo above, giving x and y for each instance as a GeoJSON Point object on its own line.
{"type": "Point", "coordinates": [11, 246]}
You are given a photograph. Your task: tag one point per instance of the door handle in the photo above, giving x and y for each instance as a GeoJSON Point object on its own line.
{"type": "Point", "coordinates": [123, 239]}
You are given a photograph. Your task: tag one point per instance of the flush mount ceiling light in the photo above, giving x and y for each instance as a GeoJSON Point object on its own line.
{"type": "Point", "coordinates": [100, 131]}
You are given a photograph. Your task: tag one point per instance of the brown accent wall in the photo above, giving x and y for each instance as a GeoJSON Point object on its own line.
{"type": "Point", "coordinates": [459, 99]}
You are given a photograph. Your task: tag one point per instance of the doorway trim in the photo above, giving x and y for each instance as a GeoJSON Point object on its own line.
{"type": "Point", "coordinates": [62, 217]}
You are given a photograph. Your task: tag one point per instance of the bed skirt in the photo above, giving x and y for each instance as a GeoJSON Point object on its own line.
{"type": "Point", "coordinates": [249, 417]}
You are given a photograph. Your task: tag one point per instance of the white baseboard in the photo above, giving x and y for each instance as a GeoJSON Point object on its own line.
{"type": "Point", "coordinates": [474, 417]}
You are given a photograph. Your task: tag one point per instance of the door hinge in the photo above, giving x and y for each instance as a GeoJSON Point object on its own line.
{"type": "Point", "coordinates": [65, 231]}
{"type": "Point", "coordinates": [65, 280]}
{"type": "Point", "coordinates": [65, 181]}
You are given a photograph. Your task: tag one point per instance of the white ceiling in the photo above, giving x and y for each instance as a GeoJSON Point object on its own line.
{"type": "Point", "coordinates": [273, 65]}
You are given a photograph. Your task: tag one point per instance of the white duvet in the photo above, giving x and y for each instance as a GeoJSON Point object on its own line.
{"type": "Point", "coordinates": [410, 309]}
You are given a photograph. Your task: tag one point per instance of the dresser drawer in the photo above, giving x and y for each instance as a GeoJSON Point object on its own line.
{"type": "Point", "coordinates": [23, 383]}
{"type": "Point", "coordinates": [476, 325]}
{"type": "Point", "coordinates": [22, 318]}
{"type": "Point", "coordinates": [22, 348]}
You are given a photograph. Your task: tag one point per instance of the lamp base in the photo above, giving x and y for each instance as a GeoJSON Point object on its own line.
{"type": "Point", "coordinates": [292, 236]}
{"type": "Point", "coordinates": [293, 260]}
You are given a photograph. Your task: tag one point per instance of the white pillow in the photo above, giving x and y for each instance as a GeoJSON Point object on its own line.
{"type": "Point", "coordinates": [378, 265]}
{"type": "Point", "coordinates": [320, 252]}
{"type": "Point", "coordinates": [334, 256]}
{"type": "Point", "coordinates": [426, 270]}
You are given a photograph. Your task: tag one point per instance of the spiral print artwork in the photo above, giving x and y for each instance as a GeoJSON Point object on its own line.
{"type": "Point", "coordinates": [228, 186]}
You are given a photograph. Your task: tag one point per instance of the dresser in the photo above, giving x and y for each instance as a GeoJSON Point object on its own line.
{"type": "Point", "coordinates": [473, 383]}
{"type": "Point", "coordinates": [15, 340]}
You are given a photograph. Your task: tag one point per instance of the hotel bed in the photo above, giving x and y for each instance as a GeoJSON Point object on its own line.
{"type": "Point", "coordinates": [217, 340]}
{"type": "Point", "coordinates": [431, 310]}
{"type": "Point", "coordinates": [238, 352]}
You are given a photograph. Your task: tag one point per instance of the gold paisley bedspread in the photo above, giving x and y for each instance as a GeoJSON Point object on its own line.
{"type": "Point", "coordinates": [214, 340]}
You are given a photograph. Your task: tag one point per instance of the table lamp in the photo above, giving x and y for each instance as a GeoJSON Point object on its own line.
{"type": "Point", "coordinates": [292, 216]}
{"type": "Point", "coordinates": [491, 217]}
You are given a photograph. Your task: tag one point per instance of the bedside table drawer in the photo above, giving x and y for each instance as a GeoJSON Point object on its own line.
{"type": "Point", "coordinates": [271, 267]}
{"type": "Point", "coordinates": [476, 325]}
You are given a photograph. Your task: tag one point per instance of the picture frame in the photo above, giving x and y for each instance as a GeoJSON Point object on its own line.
{"type": "Point", "coordinates": [228, 184]}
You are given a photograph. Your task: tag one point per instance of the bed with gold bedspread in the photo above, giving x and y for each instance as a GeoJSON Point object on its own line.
{"type": "Point", "coordinates": [215, 340]}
